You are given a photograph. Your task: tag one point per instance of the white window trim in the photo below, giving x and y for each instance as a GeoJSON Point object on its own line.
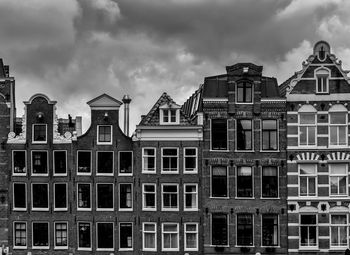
{"type": "Point", "coordinates": [195, 171]}
{"type": "Point", "coordinates": [98, 135]}
{"type": "Point", "coordinates": [177, 116]}
{"type": "Point", "coordinates": [54, 168]}
{"type": "Point", "coordinates": [316, 225]}
{"type": "Point", "coordinates": [211, 139]}
{"type": "Point", "coordinates": [14, 236]}
{"type": "Point", "coordinates": [48, 237]}
{"type": "Point", "coordinates": [308, 175]}
{"type": "Point", "coordinates": [83, 248]}
{"type": "Point", "coordinates": [13, 164]}
{"type": "Point", "coordinates": [211, 183]}
{"type": "Point", "coordinates": [253, 182]}
{"type": "Point", "coordinates": [39, 142]}
{"type": "Point", "coordinates": [177, 161]}
{"type": "Point", "coordinates": [178, 237]}
{"type": "Point", "coordinates": [132, 164]}
{"type": "Point", "coordinates": [236, 92]}
{"type": "Point", "coordinates": [13, 194]}
{"type": "Point", "coordinates": [104, 209]}
{"type": "Point", "coordinates": [77, 196]}
{"type": "Point", "coordinates": [144, 195]}
{"type": "Point", "coordinates": [307, 133]}
{"type": "Point", "coordinates": [278, 182]}
{"type": "Point", "coordinates": [177, 195]}
{"type": "Point", "coordinates": [316, 75]}
{"type": "Point", "coordinates": [155, 160]}
{"type": "Point", "coordinates": [278, 231]}
{"type": "Point", "coordinates": [132, 197]}
{"type": "Point", "coordinates": [331, 126]}
{"type": "Point", "coordinates": [197, 233]}
{"type": "Point", "coordinates": [153, 232]}
{"type": "Point", "coordinates": [253, 236]}
{"type": "Point", "coordinates": [104, 174]}
{"type": "Point", "coordinates": [228, 230]}
{"type": "Point", "coordinates": [54, 233]}
{"type": "Point", "coordinates": [54, 197]}
{"type": "Point", "coordinates": [253, 136]}
{"type": "Point", "coordinates": [81, 173]}
{"type": "Point", "coordinates": [184, 191]}
{"type": "Point", "coordinates": [47, 163]}
{"type": "Point", "coordinates": [48, 198]}
{"type": "Point", "coordinates": [132, 236]}
{"type": "Point", "coordinates": [104, 249]}
{"type": "Point", "coordinates": [340, 247]}
{"type": "Point", "coordinates": [338, 175]}
{"type": "Point", "coordinates": [277, 134]}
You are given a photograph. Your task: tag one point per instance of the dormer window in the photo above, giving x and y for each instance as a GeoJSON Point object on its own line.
{"type": "Point", "coordinates": [244, 92]}
{"type": "Point", "coordinates": [169, 114]}
{"type": "Point", "coordinates": [104, 134]}
{"type": "Point", "coordinates": [322, 77]}
{"type": "Point", "coordinates": [39, 133]}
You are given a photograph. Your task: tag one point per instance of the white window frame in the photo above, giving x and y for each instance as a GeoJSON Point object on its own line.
{"type": "Point", "coordinates": [261, 182]}
{"type": "Point", "coordinates": [54, 233]}
{"type": "Point", "coordinates": [83, 248]}
{"type": "Point", "coordinates": [307, 126]}
{"type": "Point", "coordinates": [277, 135]}
{"type": "Point", "coordinates": [48, 198]}
{"type": "Point", "coordinates": [54, 197]}
{"type": "Point", "coordinates": [132, 236]}
{"type": "Point", "coordinates": [13, 164]}
{"type": "Point", "coordinates": [48, 237]}
{"type": "Point", "coordinates": [77, 195]}
{"type": "Point", "coordinates": [53, 165]}
{"type": "Point", "coordinates": [132, 197]}
{"type": "Point", "coordinates": [308, 176]}
{"type": "Point", "coordinates": [39, 142]}
{"type": "Point", "coordinates": [82, 173]}
{"type": "Point", "coordinates": [98, 135]}
{"type": "Point", "coordinates": [308, 225]}
{"type": "Point", "coordinates": [190, 232]}
{"type": "Point", "coordinates": [47, 163]}
{"type": "Point", "coordinates": [252, 168]}
{"type": "Point", "coordinates": [169, 122]}
{"type": "Point", "coordinates": [154, 233]}
{"type": "Point", "coordinates": [211, 183]}
{"type": "Point", "coordinates": [346, 175]}
{"type": "Point", "coordinates": [104, 209]}
{"type": "Point", "coordinates": [144, 171]}
{"type": "Point", "coordinates": [104, 249]}
{"type": "Point", "coordinates": [195, 193]}
{"type": "Point", "coordinates": [177, 233]}
{"type": "Point", "coordinates": [195, 170]}
{"type": "Point", "coordinates": [14, 235]}
{"type": "Point", "coordinates": [132, 164]}
{"type": "Point", "coordinates": [324, 73]}
{"type": "Point", "coordinates": [177, 160]}
{"type": "Point", "coordinates": [13, 194]}
{"type": "Point", "coordinates": [177, 196]}
{"type": "Point", "coordinates": [278, 230]}
{"type": "Point", "coordinates": [337, 126]}
{"type": "Point", "coordinates": [341, 247]}
{"type": "Point", "coordinates": [144, 208]}
{"type": "Point", "coordinates": [97, 158]}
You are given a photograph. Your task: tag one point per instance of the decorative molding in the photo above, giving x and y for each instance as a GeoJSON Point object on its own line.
{"type": "Point", "coordinates": [307, 156]}
{"type": "Point", "coordinates": [336, 156]}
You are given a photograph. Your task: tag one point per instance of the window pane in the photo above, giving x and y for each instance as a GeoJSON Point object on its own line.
{"type": "Point", "coordinates": [84, 199]}
{"type": "Point", "coordinates": [125, 196]}
{"type": "Point", "coordinates": [125, 234]}
{"type": "Point", "coordinates": [105, 162]}
{"type": "Point", "coordinates": [219, 181]}
{"type": "Point", "coordinates": [244, 182]}
{"type": "Point", "coordinates": [40, 196]}
{"type": "Point", "coordinates": [105, 235]}
{"type": "Point", "coordinates": [269, 182]}
{"type": "Point", "coordinates": [39, 132]}
{"type": "Point", "coordinates": [270, 230]}
{"type": "Point", "coordinates": [104, 134]}
{"type": "Point", "coordinates": [307, 169]}
{"type": "Point", "coordinates": [244, 229]}
{"type": "Point", "coordinates": [307, 118]}
{"type": "Point", "coordinates": [19, 191]}
{"type": "Point", "coordinates": [105, 196]}
{"type": "Point", "coordinates": [244, 135]}
{"type": "Point", "coordinates": [84, 161]}
{"type": "Point", "coordinates": [20, 234]}
{"type": "Point", "coordinates": [39, 162]}
{"type": "Point", "coordinates": [60, 162]}
{"type": "Point", "coordinates": [19, 162]}
{"type": "Point", "coordinates": [84, 239]}
{"type": "Point", "coordinates": [125, 159]}
{"type": "Point", "coordinates": [219, 229]}
{"type": "Point", "coordinates": [61, 234]}
{"type": "Point", "coordinates": [338, 118]}
{"type": "Point", "coordinates": [60, 195]}
{"type": "Point", "coordinates": [219, 134]}
{"type": "Point", "coordinates": [40, 234]}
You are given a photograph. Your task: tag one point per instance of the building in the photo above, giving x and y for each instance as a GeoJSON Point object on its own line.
{"type": "Point", "coordinates": [244, 169]}
{"type": "Point", "coordinates": [318, 151]}
{"type": "Point", "coordinates": [167, 148]}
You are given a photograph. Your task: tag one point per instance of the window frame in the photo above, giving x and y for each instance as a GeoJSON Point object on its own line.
{"type": "Point", "coordinates": [54, 163]}
{"type": "Point", "coordinates": [132, 236]}
{"type": "Point", "coordinates": [278, 182]}
{"type": "Point", "coordinates": [17, 247]}
{"type": "Point", "coordinates": [84, 173]}
{"type": "Point", "coordinates": [48, 236]}
{"type": "Point", "coordinates": [154, 233]}
{"type": "Point", "coordinates": [244, 82]}
{"type": "Point", "coordinates": [227, 183]}
{"type": "Point", "coordinates": [346, 175]}
{"type": "Point", "coordinates": [211, 135]}
{"type": "Point", "coordinates": [25, 161]}
{"type": "Point", "coordinates": [144, 197]}
{"type": "Point", "coordinates": [54, 234]}
{"type": "Point", "coordinates": [315, 175]}
{"type": "Point", "coordinates": [251, 136]}
{"type": "Point", "coordinates": [113, 190]}
{"type": "Point", "coordinates": [227, 230]}
{"type": "Point", "coordinates": [169, 122]}
{"type": "Point", "coordinates": [155, 160]}
{"type": "Point", "coordinates": [185, 156]}
{"type": "Point", "coordinates": [252, 182]}
{"type": "Point", "coordinates": [48, 198]}
{"type": "Point", "coordinates": [269, 130]}
{"type": "Point", "coordinates": [98, 142]}
{"type": "Point", "coordinates": [132, 164]}
{"type": "Point", "coordinates": [338, 226]}
{"type": "Point", "coordinates": [47, 163]}
{"type": "Point", "coordinates": [13, 197]}
{"type": "Point", "coordinates": [177, 197]}
{"type": "Point", "coordinates": [162, 171]}
{"type": "Point", "coordinates": [307, 126]}
{"type": "Point", "coordinates": [168, 232]}
{"type": "Point", "coordinates": [33, 133]}
{"type": "Point", "coordinates": [309, 247]}
{"type": "Point", "coordinates": [77, 196]}
{"type": "Point", "coordinates": [79, 248]}
{"type": "Point", "coordinates": [113, 239]}
{"type": "Point", "coordinates": [322, 75]}
{"type": "Point", "coordinates": [252, 224]}
{"type": "Point", "coordinates": [97, 168]}
{"type": "Point", "coordinates": [337, 126]}
{"type": "Point", "coordinates": [119, 197]}
{"type": "Point", "coordinates": [196, 196]}
{"type": "Point", "coordinates": [191, 232]}
{"type": "Point", "coordinates": [57, 209]}
{"type": "Point", "coordinates": [278, 230]}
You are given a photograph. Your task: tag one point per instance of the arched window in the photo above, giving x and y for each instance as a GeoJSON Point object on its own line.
{"type": "Point", "coordinates": [338, 119]}
{"type": "Point", "coordinates": [307, 126]}
{"type": "Point", "coordinates": [322, 77]}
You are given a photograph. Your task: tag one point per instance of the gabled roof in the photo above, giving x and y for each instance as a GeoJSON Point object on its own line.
{"type": "Point", "coordinates": [283, 87]}
{"type": "Point", "coordinates": [104, 101]}
{"type": "Point", "coordinates": [269, 87]}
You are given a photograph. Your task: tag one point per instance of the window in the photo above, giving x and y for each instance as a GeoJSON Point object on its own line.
{"type": "Point", "coordinates": [149, 236]}
{"type": "Point", "coordinates": [84, 162]}
{"type": "Point", "coordinates": [307, 179]}
{"type": "Point", "coordinates": [105, 197]}
{"type": "Point", "coordinates": [190, 160]}
{"type": "Point", "coordinates": [338, 128]}
{"type": "Point", "coordinates": [339, 231]}
{"type": "Point", "coordinates": [39, 133]}
{"type": "Point", "coordinates": [269, 135]}
{"type": "Point", "coordinates": [245, 229]}
{"type": "Point", "coordinates": [219, 181]}
{"type": "Point", "coordinates": [104, 135]}
{"type": "Point", "coordinates": [149, 200]}
{"type": "Point", "coordinates": [84, 197]}
{"type": "Point", "coordinates": [244, 181]}
{"type": "Point", "coordinates": [40, 235]}
{"type": "Point", "coordinates": [269, 230]}
{"type": "Point", "coordinates": [219, 134]}
{"type": "Point", "coordinates": [19, 197]}
{"type": "Point", "coordinates": [60, 162]}
{"type": "Point", "coordinates": [169, 116]}
{"type": "Point", "coordinates": [105, 236]}
{"type": "Point", "coordinates": [322, 76]}
{"type": "Point", "coordinates": [125, 162]}
{"type": "Point", "coordinates": [307, 129]}
{"type": "Point", "coordinates": [105, 162]}
{"type": "Point", "coordinates": [19, 162]}
{"type": "Point", "coordinates": [125, 236]}
{"type": "Point", "coordinates": [269, 185]}
{"type": "Point", "coordinates": [338, 179]}
{"type": "Point", "coordinates": [148, 160]}
{"type": "Point", "coordinates": [125, 196]}
{"type": "Point", "coordinates": [39, 163]}
{"type": "Point", "coordinates": [219, 229]}
{"type": "Point", "coordinates": [61, 199]}
{"type": "Point", "coordinates": [170, 236]}
{"type": "Point", "coordinates": [170, 198]}
{"type": "Point", "coordinates": [190, 197]}
{"type": "Point", "coordinates": [40, 196]}
{"type": "Point", "coordinates": [61, 235]}
{"type": "Point", "coordinates": [244, 135]}
{"type": "Point", "coordinates": [191, 236]}
{"type": "Point", "coordinates": [308, 230]}
{"type": "Point", "coordinates": [19, 235]}
{"type": "Point", "coordinates": [170, 159]}
{"type": "Point", "coordinates": [84, 236]}
{"type": "Point", "coordinates": [244, 92]}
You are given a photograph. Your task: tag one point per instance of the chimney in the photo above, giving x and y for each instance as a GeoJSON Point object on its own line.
{"type": "Point", "coordinates": [78, 125]}
{"type": "Point", "coordinates": [126, 100]}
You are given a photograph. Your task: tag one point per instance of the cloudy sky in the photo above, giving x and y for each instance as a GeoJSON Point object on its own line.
{"type": "Point", "coordinates": [75, 50]}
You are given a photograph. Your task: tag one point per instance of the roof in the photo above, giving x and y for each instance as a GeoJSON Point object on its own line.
{"type": "Point", "coordinates": [3, 69]}
{"type": "Point", "coordinates": [104, 100]}
{"type": "Point", "coordinates": [215, 88]}
{"type": "Point", "coordinates": [269, 87]}
{"type": "Point", "coordinates": [283, 87]}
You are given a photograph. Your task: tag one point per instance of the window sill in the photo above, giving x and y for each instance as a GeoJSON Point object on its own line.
{"type": "Point", "coordinates": [105, 249]}
{"type": "Point", "coordinates": [84, 209]}
{"type": "Point", "coordinates": [170, 210]}
{"type": "Point", "coordinates": [244, 102]}
{"type": "Point", "coordinates": [241, 246]}
{"type": "Point", "coordinates": [146, 172]}
{"type": "Point", "coordinates": [270, 151]}
{"type": "Point", "coordinates": [243, 151]}
{"type": "Point", "coordinates": [126, 249]}
{"type": "Point", "coordinates": [83, 174]}
{"type": "Point", "coordinates": [241, 198]}
{"type": "Point", "coordinates": [152, 250]}
{"type": "Point", "coordinates": [270, 198]}
{"type": "Point", "coordinates": [40, 209]}
{"type": "Point", "coordinates": [127, 174]}
{"type": "Point", "coordinates": [177, 249]}
{"type": "Point", "coordinates": [219, 197]}
{"type": "Point", "coordinates": [104, 143]}
{"type": "Point", "coordinates": [84, 249]}
{"type": "Point", "coordinates": [41, 247]}
{"type": "Point", "coordinates": [149, 209]}
{"type": "Point", "coordinates": [191, 172]}
{"type": "Point", "coordinates": [39, 142]}
{"type": "Point", "coordinates": [19, 209]}
{"type": "Point", "coordinates": [191, 210]}
{"type": "Point", "coordinates": [40, 175]}
{"type": "Point", "coordinates": [125, 209]}
{"type": "Point", "coordinates": [104, 209]}
{"type": "Point", "coordinates": [169, 172]}
{"type": "Point", "coordinates": [20, 247]}
{"type": "Point", "coordinates": [226, 150]}
{"type": "Point", "coordinates": [104, 174]}
{"type": "Point", "coordinates": [61, 248]}
{"type": "Point", "coordinates": [311, 249]}
{"type": "Point", "coordinates": [60, 175]}
{"type": "Point", "coordinates": [19, 174]}
{"type": "Point", "coordinates": [60, 209]}
{"type": "Point", "coordinates": [190, 249]}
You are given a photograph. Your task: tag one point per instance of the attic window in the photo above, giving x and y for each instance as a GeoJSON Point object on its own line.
{"type": "Point", "coordinates": [169, 116]}
{"type": "Point", "coordinates": [245, 69]}
{"type": "Point", "coordinates": [322, 77]}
